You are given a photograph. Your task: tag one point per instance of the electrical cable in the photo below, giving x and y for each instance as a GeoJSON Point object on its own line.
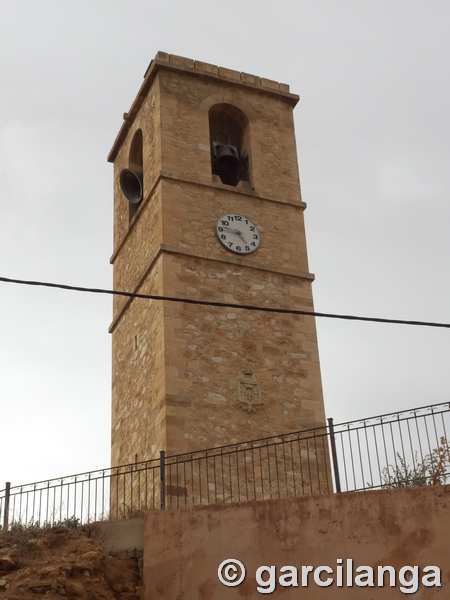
{"type": "Point", "coordinates": [286, 311]}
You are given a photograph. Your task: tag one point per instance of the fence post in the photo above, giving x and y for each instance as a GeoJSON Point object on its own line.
{"type": "Point", "coordinates": [334, 456]}
{"type": "Point", "coordinates": [162, 472]}
{"type": "Point", "coordinates": [6, 510]}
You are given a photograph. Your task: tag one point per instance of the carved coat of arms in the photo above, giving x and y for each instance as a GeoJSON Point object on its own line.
{"type": "Point", "coordinates": [246, 393]}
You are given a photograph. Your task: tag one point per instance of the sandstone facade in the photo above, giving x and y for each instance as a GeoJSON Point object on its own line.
{"type": "Point", "coordinates": [178, 368]}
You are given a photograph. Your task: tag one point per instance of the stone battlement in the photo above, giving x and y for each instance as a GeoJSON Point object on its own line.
{"type": "Point", "coordinates": [163, 60]}
{"type": "Point", "coordinates": [227, 74]}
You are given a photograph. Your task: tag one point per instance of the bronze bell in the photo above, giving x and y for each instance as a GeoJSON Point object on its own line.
{"type": "Point", "coordinates": [131, 184]}
{"type": "Point", "coordinates": [225, 161]}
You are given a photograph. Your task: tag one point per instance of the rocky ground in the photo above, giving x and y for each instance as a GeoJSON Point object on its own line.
{"type": "Point", "coordinates": [64, 562]}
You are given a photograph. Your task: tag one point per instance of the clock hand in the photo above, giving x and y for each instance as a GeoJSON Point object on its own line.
{"type": "Point", "coordinates": [236, 231]}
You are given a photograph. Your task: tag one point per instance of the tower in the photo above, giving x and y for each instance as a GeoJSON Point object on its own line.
{"type": "Point", "coordinates": [207, 206]}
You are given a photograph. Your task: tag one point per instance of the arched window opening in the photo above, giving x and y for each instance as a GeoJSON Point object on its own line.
{"type": "Point", "coordinates": [131, 179]}
{"type": "Point", "coordinates": [229, 139]}
{"type": "Point", "coordinates": [135, 161]}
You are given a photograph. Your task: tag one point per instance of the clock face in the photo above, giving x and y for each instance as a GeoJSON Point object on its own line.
{"type": "Point", "coordinates": [237, 233]}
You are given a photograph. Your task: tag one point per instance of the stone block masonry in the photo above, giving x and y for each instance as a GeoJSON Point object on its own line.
{"type": "Point", "coordinates": [185, 376]}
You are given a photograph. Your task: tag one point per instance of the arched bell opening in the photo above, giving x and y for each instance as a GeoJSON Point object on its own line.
{"type": "Point", "coordinates": [229, 139]}
{"type": "Point", "coordinates": [131, 179]}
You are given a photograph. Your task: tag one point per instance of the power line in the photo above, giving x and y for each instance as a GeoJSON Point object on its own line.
{"type": "Point", "coordinates": [288, 311]}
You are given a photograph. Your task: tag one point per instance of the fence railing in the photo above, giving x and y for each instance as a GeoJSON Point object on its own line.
{"type": "Point", "coordinates": [393, 450]}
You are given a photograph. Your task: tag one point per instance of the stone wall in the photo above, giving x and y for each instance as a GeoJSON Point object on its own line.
{"type": "Point", "coordinates": [179, 369]}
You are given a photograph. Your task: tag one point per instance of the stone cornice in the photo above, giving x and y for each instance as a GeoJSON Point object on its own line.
{"type": "Point", "coordinates": [238, 261]}
{"type": "Point", "coordinates": [252, 193]}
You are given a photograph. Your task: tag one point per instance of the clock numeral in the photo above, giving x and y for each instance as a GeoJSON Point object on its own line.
{"type": "Point", "coordinates": [252, 228]}
{"type": "Point", "coordinates": [220, 229]}
{"type": "Point", "coordinates": [255, 236]}
{"type": "Point", "coordinates": [225, 223]}
{"type": "Point", "coordinates": [247, 248]}
{"type": "Point", "coordinates": [238, 218]}
{"type": "Point", "coordinates": [223, 237]}
{"type": "Point", "coordinates": [253, 244]}
{"type": "Point", "coordinates": [238, 248]}
{"type": "Point", "coordinates": [230, 244]}
{"type": "Point", "coordinates": [230, 218]}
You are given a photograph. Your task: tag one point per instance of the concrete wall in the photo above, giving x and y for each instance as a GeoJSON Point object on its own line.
{"type": "Point", "coordinates": [184, 548]}
{"type": "Point", "coordinates": [125, 536]}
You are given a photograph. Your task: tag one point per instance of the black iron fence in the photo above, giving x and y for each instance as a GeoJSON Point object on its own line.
{"type": "Point", "coordinates": [393, 450]}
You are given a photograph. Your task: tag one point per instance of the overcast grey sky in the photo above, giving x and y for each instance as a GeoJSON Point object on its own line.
{"type": "Point", "coordinates": [373, 134]}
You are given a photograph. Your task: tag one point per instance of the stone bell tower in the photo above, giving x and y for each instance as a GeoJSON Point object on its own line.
{"type": "Point", "coordinates": [207, 206]}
